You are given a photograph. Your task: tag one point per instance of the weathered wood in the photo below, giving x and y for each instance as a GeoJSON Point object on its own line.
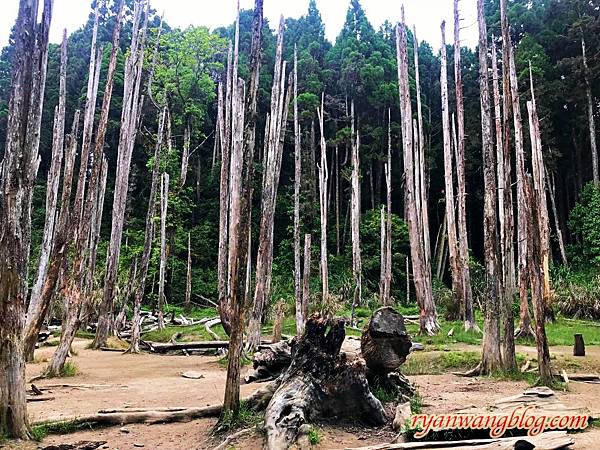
{"type": "Point", "coordinates": [421, 273]}
{"type": "Point", "coordinates": [579, 347]}
{"type": "Point", "coordinates": [323, 179]}
{"type": "Point", "coordinates": [355, 204]}
{"type": "Point", "coordinates": [384, 343]}
{"type": "Point", "coordinates": [306, 276]}
{"type": "Point", "coordinates": [590, 112]}
{"type": "Point", "coordinates": [386, 245]}
{"type": "Point", "coordinates": [278, 321]}
{"type": "Point", "coordinates": [455, 262]}
{"type": "Point", "coordinates": [18, 170]}
{"type": "Point", "coordinates": [319, 383]}
{"type": "Point", "coordinates": [300, 316]}
{"type": "Point", "coordinates": [463, 244]}
{"type": "Point", "coordinates": [81, 445]}
{"type": "Point", "coordinates": [131, 111]}
{"type": "Point", "coordinates": [491, 356]}
{"type": "Point", "coordinates": [269, 361]}
{"type": "Point", "coordinates": [164, 202]}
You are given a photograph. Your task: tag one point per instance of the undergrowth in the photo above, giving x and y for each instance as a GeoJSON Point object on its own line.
{"type": "Point", "coordinates": [40, 431]}
{"type": "Point", "coordinates": [68, 370]}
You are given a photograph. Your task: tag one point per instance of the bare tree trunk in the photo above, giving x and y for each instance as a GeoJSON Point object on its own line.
{"type": "Point", "coordinates": [323, 178]}
{"type": "Point", "coordinates": [440, 247]}
{"type": "Point", "coordinates": [355, 214]}
{"type": "Point", "coordinates": [539, 185]}
{"type": "Point", "coordinates": [457, 274]}
{"type": "Point", "coordinates": [535, 253]}
{"type": "Point", "coordinates": [386, 227]}
{"type": "Point", "coordinates": [272, 168]}
{"type": "Point", "coordinates": [559, 235]}
{"type": "Point", "coordinates": [97, 223]}
{"type": "Point", "coordinates": [424, 210]}
{"type": "Point", "coordinates": [421, 274]}
{"type": "Point", "coordinates": [129, 125]}
{"type": "Point", "coordinates": [463, 244]}
{"type": "Point", "coordinates": [591, 121]}
{"type": "Point", "coordinates": [18, 171]}
{"type": "Point", "coordinates": [242, 160]}
{"type": "Point", "coordinates": [148, 238]}
{"type": "Point", "coordinates": [164, 202]}
{"type": "Point", "coordinates": [491, 359]}
{"type": "Point", "coordinates": [337, 201]}
{"type": "Point", "coordinates": [185, 157]}
{"type": "Point", "coordinates": [306, 277]}
{"type": "Point", "coordinates": [36, 308]}
{"type": "Point", "coordinates": [300, 317]}
{"type": "Point", "coordinates": [188, 278]}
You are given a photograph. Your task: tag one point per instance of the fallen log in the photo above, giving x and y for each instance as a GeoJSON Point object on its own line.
{"type": "Point", "coordinates": [39, 398]}
{"type": "Point", "coordinates": [320, 382]}
{"type": "Point", "coordinates": [158, 347]}
{"type": "Point", "coordinates": [551, 440]}
{"type": "Point", "coordinates": [256, 402]}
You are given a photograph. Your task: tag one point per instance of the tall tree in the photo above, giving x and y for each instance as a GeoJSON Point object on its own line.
{"type": "Point", "coordinates": [323, 181]}
{"type": "Point", "coordinates": [18, 171]}
{"type": "Point", "coordinates": [421, 274]}
{"type": "Point", "coordinates": [355, 214]}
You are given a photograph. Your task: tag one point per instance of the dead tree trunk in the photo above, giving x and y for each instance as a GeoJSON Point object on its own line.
{"type": "Point", "coordinates": [164, 202]}
{"type": "Point", "coordinates": [242, 160]}
{"type": "Point", "coordinates": [421, 273]}
{"type": "Point", "coordinates": [188, 278]}
{"type": "Point", "coordinates": [457, 274]}
{"type": "Point", "coordinates": [306, 277]}
{"type": "Point", "coordinates": [36, 308]}
{"type": "Point", "coordinates": [76, 290]}
{"type": "Point", "coordinates": [319, 383]}
{"type": "Point", "coordinates": [129, 125]}
{"type": "Point", "coordinates": [272, 169]}
{"type": "Point", "coordinates": [491, 355]}
{"type": "Point", "coordinates": [535, 254]}
{"type": "Point", "coordinates": [355, 214]}
{"type": "Point", "coordinates": [185, 157]}
{"type": "Point", "coordinates": [323, 179]}
{"type": "Point", "coordinates": [148, 238]}
{"type": "Point", "coordinates": [300, 316]}
{"type": "Point", "coordinates": [424, 210]}
{"type": "Point", "coordinates": [18, 171]}
{"type": "Point", "coordinates": [463, 244]}
{"type": "Point", "coordinates": [590, 111]}
{"type": "Point", "coordinates": [559, 235]}
{"type": "Point", "coordinates": [539, 184]}
{"type": "Point", "coordinates": [387, 273]}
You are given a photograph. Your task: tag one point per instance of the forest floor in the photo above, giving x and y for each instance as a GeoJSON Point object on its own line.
{"type": "Point", "coordinates": [113, 380]}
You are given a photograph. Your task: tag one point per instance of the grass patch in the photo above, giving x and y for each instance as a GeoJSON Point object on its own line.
{"type": "Point", "coordinates": [40, 431]}
{"type": "Point", "coordinates": [384, 395]}
{"type": "Point", "coordinates": [68, 370]}
{"type": "Point", "coordinates": [186, 334]}
{"type": "Point", "coordinates": [314, 437]}
{"type": "Point", "coordinates": [435, 363]}
{"type": "Point", "coordinates": [85, 335]}
{"type": "Point", "coordinates": [245, 418]}
{"type": "Point", "coordinates": [416, 403]}
{"type": "Point", "coordinates": [194, 313]}
{"type": "Point", "coordinates": [244, 361]}
{"type": "Point", "coordinates": [562, 330]}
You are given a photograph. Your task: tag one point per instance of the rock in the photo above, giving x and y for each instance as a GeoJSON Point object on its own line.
{"type": "Point", "coordinates": [403, 413]}
{"type": "Point", "coordinates": [417, 347]}
{"type": "Point", "coordinates": [192, 375]}
{"type": "Point", "coordinates": [124, 430]}
{"type": "Point", "coordinates": [137, 444]}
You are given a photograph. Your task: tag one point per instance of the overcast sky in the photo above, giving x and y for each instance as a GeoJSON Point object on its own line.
{"type": "Point", "coordinates": [425, 14]}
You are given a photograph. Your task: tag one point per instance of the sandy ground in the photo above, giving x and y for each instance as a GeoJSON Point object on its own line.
{"type": "Point", "coordinates": [113, 380]}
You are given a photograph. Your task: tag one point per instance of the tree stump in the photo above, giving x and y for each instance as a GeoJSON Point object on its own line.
{"type": "Point", "coordinates": [579, 347]}
{"type": "Point", "coordinates": [320, 382]}
{"type": "Point", "coordinates": [269, 362]}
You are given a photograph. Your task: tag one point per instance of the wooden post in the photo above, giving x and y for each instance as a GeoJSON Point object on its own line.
{"type": "Point", "coordinates": [579, 347]}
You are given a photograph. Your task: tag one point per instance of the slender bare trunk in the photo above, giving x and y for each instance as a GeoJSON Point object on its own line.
{"type": "Point", "coordinates": [491, 359]}
{"type": "Point", "coordinates": [355, 214]}
{"type": "Point", "coordinates": [421, 274]}
{"type": "Point", "coordinates": [164, 202]}
{"type": "Point", "coordinates": [590, 110]}
{"type": "Point", "coordinates": [386, 227]}
{"type": "Point", "coordinates": [559, 235]}
{"type": "Point", "coordinates": [323, 179]}
{"type": "Point", "coordinates": [306, 276]}
{"type": "Point", "coordinates": [130, 118]}
{"type": "Point", "coordinates": [300, 317]}
{"type": "Point", "coordinates": [457, 274]}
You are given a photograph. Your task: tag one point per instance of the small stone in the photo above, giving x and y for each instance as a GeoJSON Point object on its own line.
{"type": "Point", "coordinates": [402, 415]}
{"type": "Point", "coordinates": [124, 430]}
{"type": "Point", "coordinates": [416, 347]}
{"type": "Point", "coordinates": [137, 444]}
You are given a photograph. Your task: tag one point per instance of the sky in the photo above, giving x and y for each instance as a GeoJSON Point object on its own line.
{"type": "Point", "coordinates": [427, 15]}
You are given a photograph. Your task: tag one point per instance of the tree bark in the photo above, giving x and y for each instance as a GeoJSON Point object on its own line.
{"type": "Point", "coordinates": [134, 347]}
{"type": "Point", "coordinates": [590, 111]}
{"type": "Point", "coordinates": [300, 316]}
{"type": "Point", "coordinates": [421, 273]}
{"type": "Point", "coordinates": [272, 168]}
{"type": "Point", "coordinates": [306, 277]}
{"type": "Point", "coordinates": [130, 117]}
{"type": "Point", "coordinates": [463, 244]}
{"type": "Point", "coordinates": [455, 262]}
{"type": "Point", "coordinates": [164, 202]}
{"type": "Point", "coordinates": [18, 171]}
{"type": "Point", "coordinates": [355, 214]}
{"type": "Point", "coordinates": [491, 356]}
{"type": "Point", "coordinates": [323, 179]}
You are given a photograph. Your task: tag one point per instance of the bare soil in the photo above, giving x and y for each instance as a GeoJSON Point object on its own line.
{"type": "Point", "coordinates": [113, 380]}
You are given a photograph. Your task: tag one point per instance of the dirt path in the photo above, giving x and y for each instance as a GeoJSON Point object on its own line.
{"type": "Point", "coordinates": [110, 379]}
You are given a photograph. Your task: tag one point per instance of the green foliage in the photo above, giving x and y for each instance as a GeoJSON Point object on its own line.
{"type": "Point", "coordinates": [314, 437]}
{"type": "Point", "coordinates": [246, 417]}
{"type": "Point", "coordinates": [584, 222]}
{"type": "Point", "coordinates": [40, 431]}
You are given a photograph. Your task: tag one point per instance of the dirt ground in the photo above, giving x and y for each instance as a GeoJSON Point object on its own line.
{"type": "Point", "coordinates": [113, 380]}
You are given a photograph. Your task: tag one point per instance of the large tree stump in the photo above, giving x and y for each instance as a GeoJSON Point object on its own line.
{"type": "Point", "coordinates": [269, 361]}
{"type": "Point", "coordinates": [320, 382]}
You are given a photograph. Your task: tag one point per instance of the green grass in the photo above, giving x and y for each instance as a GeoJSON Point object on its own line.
{"type": "Point", "coordinates": [85, 335]}
{"type": "Point", "coordinates": [40, 431]}
{"type": "Point", "coordinates": [194, 313]}
{"type": "Point", "coordinates": [314, 437]}
{"type": "Point", "coordinates": [244, 361]}
{"type": "Point", "coordinates": [384, 395]}
{"type": "Point", "coordinates": [245, 418]}
{"type": "Point", "coordinates": [427, 363]}
{"type": "Point", "coordinates": [190, 333]}
{"type": "Point", "coordinates": [416, 403]}
{"type": "Point", "coordinates": [562, 330]}
{"type": "Point", "coordinates": [67, 371]}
